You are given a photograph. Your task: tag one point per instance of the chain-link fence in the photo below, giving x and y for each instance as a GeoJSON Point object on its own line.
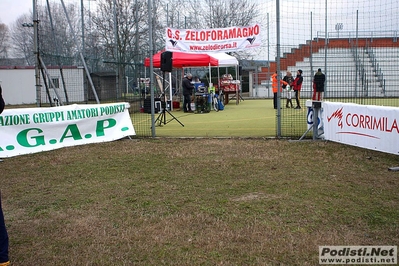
{"type": "Point", "coordinates": [354, 44]}
{"type": "Point", "coordinates": [360, 71]}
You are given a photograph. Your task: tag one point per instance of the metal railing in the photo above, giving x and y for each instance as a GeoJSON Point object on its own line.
{"type": "Point", "coordinates": [351, 35]}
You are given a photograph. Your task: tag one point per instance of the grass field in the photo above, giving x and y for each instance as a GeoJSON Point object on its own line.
{"type": "Point", "coordinates": [249, 118]}
{"type": "Point", "coordinates": [204, 201]}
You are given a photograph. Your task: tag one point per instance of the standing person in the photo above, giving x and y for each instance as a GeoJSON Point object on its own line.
{"type": "Point", "coordinates": [188, 88]}
{"type": "Point", "coordinates": [297, 86]}
{"type": "Point", "coordinates": [2, 104]}
{"type": "Point", "coordinates": [275, 88]}
{"type": "Point", "coordinates": [289, 79]}
{"type": "Point", "coordinates": [3, 231]}
{"type": "Point", "coordinates": [4, 261]}
{"type": "Point", "coordinates": [319, 79]}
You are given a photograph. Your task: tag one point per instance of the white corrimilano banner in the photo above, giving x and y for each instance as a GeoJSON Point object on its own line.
{"type": "Point", "coordinates": [367, 126]}
{"type": "Point", "coordinates": [213, 40]}
{"type": "Point", "coordinates": [31, 130]}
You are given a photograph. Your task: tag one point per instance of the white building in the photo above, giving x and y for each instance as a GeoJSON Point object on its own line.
{"type": "Point", "coordinates": [19, 85]}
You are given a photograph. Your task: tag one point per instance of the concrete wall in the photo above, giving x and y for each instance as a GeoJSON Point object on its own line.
{"type": "Point", "coordinates": [18, 86]}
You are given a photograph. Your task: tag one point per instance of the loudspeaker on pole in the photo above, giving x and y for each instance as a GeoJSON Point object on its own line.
{"type": "Point", "coordinates": [166, 61]}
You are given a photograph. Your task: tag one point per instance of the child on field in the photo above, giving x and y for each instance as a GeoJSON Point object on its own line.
{"type": "Point", "coordinates": [289, 79]}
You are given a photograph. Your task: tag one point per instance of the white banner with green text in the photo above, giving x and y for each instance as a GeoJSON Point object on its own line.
{"type": "Point", "coordinates": [31, 130]}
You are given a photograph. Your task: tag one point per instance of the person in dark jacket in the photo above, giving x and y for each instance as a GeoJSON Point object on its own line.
{"type": "Point", "coordinates": [4, 261]}
{"type": "Point", "coordinates": [3, 231]}
{"type": "Point", "coordinates": [297, 86]}
{"type": "Point", "coordinates": [188, 88]}
{"type": "Point", "coordinates": [2, 104]}
{"type": "Point", "coordinates": [318, 80]}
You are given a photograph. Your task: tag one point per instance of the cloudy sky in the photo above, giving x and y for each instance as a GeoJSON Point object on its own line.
{"type": "Point", "coordinates": [295, 16]}
{"type": "Point", "coordinates": [340, 10]}
{"type": "Point", "coordinates": [10, 10]}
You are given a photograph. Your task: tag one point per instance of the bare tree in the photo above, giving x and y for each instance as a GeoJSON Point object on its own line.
{"type": "Point", "coordinates": [129, 45]}
{"type": "Point", "coordinates": [221, 13]}
{"type": "Point", "coordinates": [125, 46]}
{"type": "Point", "coordinates": [56, 43]}
{"type": "Point", "coordinates": [22, 39]}
{"type": "Point", "coordinates": [4, 38]}
{"type": "Point", "coordinates": [178, 13]}
{"type": "Point", "coordinates": [198, 14]}
{"type": "Point", "coordinates": [201, 14]}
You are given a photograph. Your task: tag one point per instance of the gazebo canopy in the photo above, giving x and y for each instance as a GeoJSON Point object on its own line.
{"type": "Point", "coordinates": [181, 60]}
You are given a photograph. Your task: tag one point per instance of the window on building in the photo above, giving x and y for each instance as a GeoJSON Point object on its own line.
{"type": "Point", "coordinates": [56, 82]}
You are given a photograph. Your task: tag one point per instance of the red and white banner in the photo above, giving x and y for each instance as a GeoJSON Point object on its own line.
{"type": "Point", "coordinates": [213, 40]}
{"type": "Point", "coordinates": [367, 126]}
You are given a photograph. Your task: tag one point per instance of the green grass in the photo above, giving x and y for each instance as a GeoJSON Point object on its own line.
{"type": "Point", "coordinates": [249, 118]}
{"type": "Point", "coordinates": [205, 201]}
